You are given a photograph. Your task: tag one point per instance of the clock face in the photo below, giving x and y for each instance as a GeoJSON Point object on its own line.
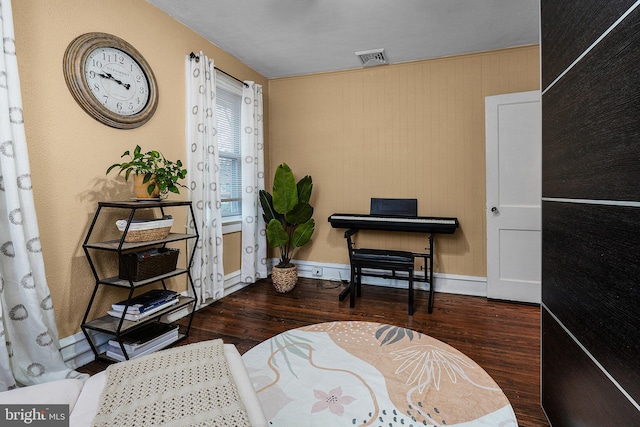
{"type": "Point", "coordinates": [110, 80]}
{"type": "Point", "coordinates": [117, 81]}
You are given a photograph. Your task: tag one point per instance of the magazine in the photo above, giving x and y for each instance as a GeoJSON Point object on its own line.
{"type": "Point", "coordinates": [115, 352]}
{"type": "Point", "coordinates": [147, 301]}
{"type": "Point", "coordinates": [144, 337]}
{"type": "Point", "coordinates": [144, 314]}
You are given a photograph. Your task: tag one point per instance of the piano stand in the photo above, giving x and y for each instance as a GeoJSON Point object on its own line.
{"type": "Point", "coordinates": [380, 262]}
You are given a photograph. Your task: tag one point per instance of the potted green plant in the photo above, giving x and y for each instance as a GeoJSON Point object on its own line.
{"type": "Point", "coordinates": [288, 217]}
{"type": "Point", "coordinates": [154, 174]}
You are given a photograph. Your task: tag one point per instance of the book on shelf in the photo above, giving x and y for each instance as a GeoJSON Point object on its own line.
{"type": "Point", "coordinates": [144, 314]}
{"type": "Point", "coordinates": [144, 309]}
{"type": "Point", "coordinates": [145, 336]}
{"type": "Point", "coordinates": [157, 343]}
{"type": "Point", "coordinates": [145, 302]}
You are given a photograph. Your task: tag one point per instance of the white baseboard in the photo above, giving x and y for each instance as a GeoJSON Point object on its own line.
{"type": "Point", "coordinates": [447, 283]}
{"type": "Point", "coordinates": [75, 349]}
{"type": "Point", "coordinates": [232, 282]}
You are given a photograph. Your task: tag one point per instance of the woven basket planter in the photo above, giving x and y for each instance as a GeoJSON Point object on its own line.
{"type": "Point", "coordinates": [284, 279]}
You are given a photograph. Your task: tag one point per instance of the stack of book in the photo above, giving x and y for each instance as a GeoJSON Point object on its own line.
{"type": "Point", "coordinates": [144, 340]}
{"type": "Point", "coordinates": [145, 304]}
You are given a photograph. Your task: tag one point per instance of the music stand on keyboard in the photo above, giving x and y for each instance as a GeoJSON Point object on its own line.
{"type": "Point", "coordinates": [394, 207]}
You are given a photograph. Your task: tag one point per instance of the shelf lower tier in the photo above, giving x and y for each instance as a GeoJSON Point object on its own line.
{"type": "Point", "coordinates": [115, 245]}
{"type": "Point", "coordinates": [103, 356]}
{"type": "Point", "coordinates": [109, 324]}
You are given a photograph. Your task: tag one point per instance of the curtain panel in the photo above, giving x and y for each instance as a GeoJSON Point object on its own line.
{"type": "Point", "coordinates": [254, 242]}
{"type": "Point", "coordinates": [29, 347]}
{"type": "Point", "coordinates": [203, 178]}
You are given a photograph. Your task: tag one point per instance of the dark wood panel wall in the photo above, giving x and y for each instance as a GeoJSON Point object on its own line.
{"type": "Point", "coordinates": [591, 212]}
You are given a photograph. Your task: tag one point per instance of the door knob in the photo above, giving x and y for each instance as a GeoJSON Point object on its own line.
{"type": "Point", "coordinates": [495, 210]}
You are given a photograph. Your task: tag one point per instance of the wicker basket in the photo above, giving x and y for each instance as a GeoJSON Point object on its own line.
{"type": "Point", "coordinates": [152, 262]}
{"type": "Point", "coordinates": [146, 231]}
{"type": "Point", "coordinates": [284, 279]}
{"type": "Point", "coordinates": [147, 235]}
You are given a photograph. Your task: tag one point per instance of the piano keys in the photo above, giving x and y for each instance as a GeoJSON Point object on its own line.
{"type": "Point", "coordinates": [416, 224]}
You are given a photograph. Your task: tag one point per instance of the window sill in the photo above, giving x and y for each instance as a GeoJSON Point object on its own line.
{"type": "Point", "coordinates": [231, 225]}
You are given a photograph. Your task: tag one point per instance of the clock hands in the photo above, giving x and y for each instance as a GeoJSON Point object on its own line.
{"type": "Point", "coordinates": [110, 77]}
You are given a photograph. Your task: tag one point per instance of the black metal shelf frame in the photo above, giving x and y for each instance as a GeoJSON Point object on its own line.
{"type": "Point", "coordinates": [117, 326]}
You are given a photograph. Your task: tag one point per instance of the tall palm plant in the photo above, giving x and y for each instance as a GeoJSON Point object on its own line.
{"type": "Point", "coordinates": [287, 213]}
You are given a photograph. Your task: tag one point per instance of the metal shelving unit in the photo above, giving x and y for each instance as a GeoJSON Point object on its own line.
{"type": "Point", "coordinates": [114, 326]}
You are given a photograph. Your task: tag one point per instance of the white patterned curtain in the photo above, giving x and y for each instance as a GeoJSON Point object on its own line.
{"type": "Point", "coordinates": [254, 243]}
{"type": "Point", "coordinates": [29, 348]}
{"type": "Point", "coordinates": [203, 177]}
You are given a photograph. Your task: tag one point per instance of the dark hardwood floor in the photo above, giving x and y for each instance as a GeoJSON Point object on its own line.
{"type": "Point", "coordinates": [502, 337]}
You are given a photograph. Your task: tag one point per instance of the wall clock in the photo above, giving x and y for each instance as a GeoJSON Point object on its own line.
{"type": "Point", "coordinates": [110, 80]}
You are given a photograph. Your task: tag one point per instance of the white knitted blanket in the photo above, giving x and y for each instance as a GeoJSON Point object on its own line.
{"type": "Point", "coordinates": [189, 385]}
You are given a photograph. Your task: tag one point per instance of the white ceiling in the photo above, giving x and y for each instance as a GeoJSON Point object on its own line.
{"type": "Point", "coordinates": [280, 38]}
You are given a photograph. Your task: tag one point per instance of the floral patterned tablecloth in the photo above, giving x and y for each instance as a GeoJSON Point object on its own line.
{"type": "Point", "coordinates": [364, 373]}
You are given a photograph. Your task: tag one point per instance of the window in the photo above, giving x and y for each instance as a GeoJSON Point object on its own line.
{"type": "Point", "coordinates": [228, 105]}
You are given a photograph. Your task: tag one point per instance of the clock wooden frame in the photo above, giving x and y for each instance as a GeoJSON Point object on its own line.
{"type": "Point", "coordinates": [74, 73]}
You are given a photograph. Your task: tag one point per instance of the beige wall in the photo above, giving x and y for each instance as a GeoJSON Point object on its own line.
{"type": "Point", "coordinates": [408, 130]}
{"type": "Point", "coordinates": [70, 152]}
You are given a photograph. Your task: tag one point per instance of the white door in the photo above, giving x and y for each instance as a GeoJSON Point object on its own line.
{"type": "Point", "coordinates": [514, 171]}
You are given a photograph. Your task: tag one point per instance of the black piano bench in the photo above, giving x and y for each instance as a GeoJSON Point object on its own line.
{"type": "Point", "coordinates": [394, 261]}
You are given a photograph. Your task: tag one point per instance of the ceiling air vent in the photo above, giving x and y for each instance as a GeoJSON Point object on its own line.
{"type": "Point", "coordinates": [371, 58]}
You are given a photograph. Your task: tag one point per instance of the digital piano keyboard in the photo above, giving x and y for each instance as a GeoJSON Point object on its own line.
{"type": "Point", "coordinates": [417, 224]}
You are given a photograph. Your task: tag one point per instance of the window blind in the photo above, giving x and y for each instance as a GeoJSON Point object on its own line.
{"type": "Point", "coordinates": [229, 101]}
